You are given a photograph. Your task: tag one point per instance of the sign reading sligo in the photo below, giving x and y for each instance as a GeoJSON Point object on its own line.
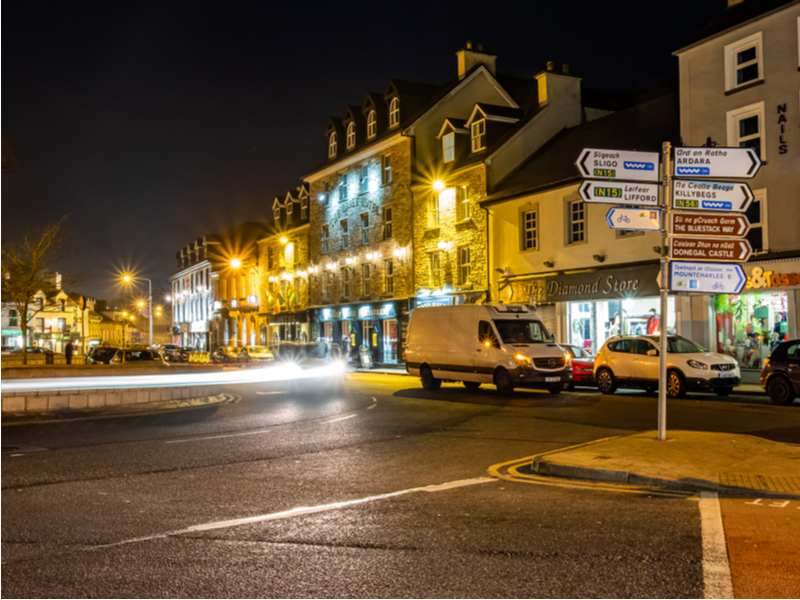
{"type": "Point", "coordinates": [618, 164]}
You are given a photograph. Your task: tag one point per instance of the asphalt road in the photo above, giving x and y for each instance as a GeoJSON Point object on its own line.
{"type": "Point", "coordinates": [368, 488]}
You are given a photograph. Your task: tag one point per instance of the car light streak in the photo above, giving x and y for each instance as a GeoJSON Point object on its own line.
{"type": "Point", "coordinates": [282, 372]}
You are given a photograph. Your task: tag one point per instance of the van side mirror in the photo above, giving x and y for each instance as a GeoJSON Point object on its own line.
{"type": "Point", "coordinates": [652, 352]}
{"type": "Point", "coordinates": [553, 337]}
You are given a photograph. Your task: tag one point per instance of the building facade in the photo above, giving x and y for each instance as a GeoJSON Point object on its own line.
{"type": "Point", "coordinates": [192, 294]}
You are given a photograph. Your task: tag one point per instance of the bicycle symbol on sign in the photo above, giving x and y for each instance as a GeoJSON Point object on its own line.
{"type": "Point", "coordinates": [718, 286]}
{"type": "Point", "coordinates": [623, 219]}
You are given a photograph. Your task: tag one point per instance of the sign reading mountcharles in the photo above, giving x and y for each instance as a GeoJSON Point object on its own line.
{"type": "Point", "coordinates": [711, 195]}
{"type": "Point", "coordinates": [713, 224]}
{"type": "Point", "coordinates": [612, 192]}
{"type": "Point", "coordinates": [714, 278]}
{"type": "Point", "coordinates": [618, 164]}
{"type": "Point", "coordinates": [634, 219]}
{"type": "Point", "coordinates": [693, 248]}
{"type": "Point", "coordinates": [716, 162]}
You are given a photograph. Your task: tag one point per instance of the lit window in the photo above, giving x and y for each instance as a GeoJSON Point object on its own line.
{"type": "Point", "coordinates": [386, 170]}
{"type": "Point", "coordinates": [343, 224]}
{"type": "Point", "coordinates": [326, 234]}
{"type": "Point", "coordinates": [433, 210]}
{"type": "Point", "coordinates": [351, 135]}
{"type": "Point", "coordinates": [462, 203]}
{"type": "Point", "coordinates": [372, 124]}
{"type": "Point", "coordinates": [394, 112]}
{"type": "Point", "coordinates": [743, 62]}
{"type": "Point", "coordinates": [365, 283]}
{"type": "Point", "coordinates": [332, 145]}
{"type": "Point", "coordinates": [577, 221]}
{"type": "Point", "coordinates": [479, 135]}
{"type": "Point", "coordinates": [436, 271]}
{"type": "Point", "coordinates": [464, 265]}
{"type": "Point", "coordinates": [365, 229]}
{"type": "Point", "coordinates": [449, 147]}
{"type": "Point", "coordinates": [289, 207]}
{"type": "Point", "coordinates": [326, 285]}
{"type": "Point", "coordinates": [345, 283]}
{"type": "Point", "coordinates": [342, 187]}
{"type": "Point", "coordinates": [304, 208]}
{"type": "Point", "coordinates": [363, 183]}
{"type": "Point", "coordinates": [388, 276]}
{"type": "Point", "coordinates": [387, 223]}
{"type": "Point", "coordinates": [746, 128]}
{"type": "Point", "coordinates": [530, 230]}
{"type": "Point", "coordinates": [276, 213]}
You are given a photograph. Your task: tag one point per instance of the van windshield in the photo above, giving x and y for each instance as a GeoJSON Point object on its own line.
{"type": "Point", "coordinates": [522, 332]}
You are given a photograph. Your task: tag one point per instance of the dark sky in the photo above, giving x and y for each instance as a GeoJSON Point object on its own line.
{"type": "Point", "coordinates": [151, 124]}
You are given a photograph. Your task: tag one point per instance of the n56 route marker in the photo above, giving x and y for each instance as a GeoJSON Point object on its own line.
{"type": "Point", "coordinates": [726, 196]}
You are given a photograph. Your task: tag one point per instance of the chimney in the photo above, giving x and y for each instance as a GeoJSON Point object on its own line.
{"type": "Point", "coordinates": [551, 66]}
{"type": "Point", "coordinates": [565, 69]}
{"type": "Point", "coordinates": [474, 55]}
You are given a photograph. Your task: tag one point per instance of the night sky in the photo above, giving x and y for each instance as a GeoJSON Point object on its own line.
{"type": "Point", "coordinates": [152, 124]}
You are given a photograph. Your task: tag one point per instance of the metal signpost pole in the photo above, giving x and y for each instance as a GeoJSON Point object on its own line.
{"type": "Point", "coordinates": [666, 149]}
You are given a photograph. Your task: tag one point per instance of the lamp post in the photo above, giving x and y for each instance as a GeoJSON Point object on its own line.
{"type": "Point", "coordinates": [128, 278]}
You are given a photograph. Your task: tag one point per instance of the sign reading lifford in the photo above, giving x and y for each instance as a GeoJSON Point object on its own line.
{"type": "Point", "coordinates": [713, 224]}
{"type": "Point", "coordinates": [709, 249]}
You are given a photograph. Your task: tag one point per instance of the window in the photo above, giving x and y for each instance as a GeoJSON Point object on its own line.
{"type": "Point", "coordinates": [289, 208]}
{"type": "Point", "coordinates": [326, 285]}
{"type": "Point", "coordinates": [61, 323]}
{"type": "Point", "coordinates": [342, 187]}
{"type": "Point", "coordinates": [326, 235]}
{"type": "Point", "coordinates": [270, 258]}
{"type": "Point", "coordinates": [39, 325]}
{"type": "Point", "coordinates": [388, 276]}
{"type": "Point", "coordinates": [757, 215]}
{"type": "Point", "coordinates": [345, 283]}
{"type": "Point", "coordinates": [343, 225]}
{"type": "Point", "coordinates": [332, 145]}
{"type": "Point", "coordinates": [304, 208]}
{"type": "Point", "coordinates": [62, 305]}
{"type": "Point", "coordinates": [394, 112]}
{"type": "Point", "coordinates": [276, 213]}
{"type": "Point", "coordinates": [743, 62]}
{"type": "Point", "coordinates": [746, 128]}
{"type": "Point", "coordinates": [365, 272]}
{"type": "Point", "coordinates": [449, 147]}
{"type": "Point", "coordinates": [363, 183]}
{"type": "Point", "coordinates": [464, 265]}
{"type": "Point", "coordinates": [433, 210]}
{"type": "Point", "coordinates": [386, 171]}
{"type": "Point", "coordinates": [365, 229]}
{"type": "Point", "coordinates": [436, 272]}
{"type": "Point", "coordinates": [387, 223]}
{"type": "Point", "coordinates": [372, 124]}
{"type": "Point", "coordinates": [486, 333]}
{"type": "Point", "coordinates": [462, 203]}
{"type": "Point", "coordinates": [530, 229]}
{"type": "Point", "coordinates": [351, 135]}
{"type": "Point", "coordinates": [576, 231]}
{"type": "Point", "coordinates": [479, 135]}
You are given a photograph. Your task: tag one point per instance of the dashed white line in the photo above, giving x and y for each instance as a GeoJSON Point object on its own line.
{"type": "Point", "coordinates": [340, 419]}
{"type": "Point", "coordinates": [717, 581]}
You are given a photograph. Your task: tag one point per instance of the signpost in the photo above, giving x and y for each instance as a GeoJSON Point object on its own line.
{"type": "Point", "coordinates": [623, 192]}
{"type": "Point", "coordinates": [712, 249]}
{"type": "Point", "coordinates": [618, 164]}
{"type": "Point", "coordinates": [716, 225]}
{"type": "Point", "coordinates": [709, 278]}
{"type": "Point", "coordinates": [716, 162]}
{"type": "Point", "coordinates": [712, 195]}
{"type": "Point", "coordinates": [635, 219]}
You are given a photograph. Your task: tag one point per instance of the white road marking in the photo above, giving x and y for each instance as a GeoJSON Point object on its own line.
{"type": "Point", "coordinates": [717, 581]}
{"type": "Point", "coordinates": [214, 437]}
{"type": "Point", "coordinates": [340, 419]}
{"type": "Point", "coordinates": [271, 393]}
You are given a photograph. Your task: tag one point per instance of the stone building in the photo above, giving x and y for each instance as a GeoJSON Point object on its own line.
{"type": "Point", "coordinates": [192, 294]}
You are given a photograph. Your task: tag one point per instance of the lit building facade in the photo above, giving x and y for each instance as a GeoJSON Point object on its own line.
{"type": "Point", "coordinates": [192, 294]}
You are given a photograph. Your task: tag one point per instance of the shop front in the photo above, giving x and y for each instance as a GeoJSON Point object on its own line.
{"type": "Point", "coordinates": [197, 335]}
{"type": "Point", "coordinates": [12, 337]}
{"type": "Point", "coordinates": [284, 327]}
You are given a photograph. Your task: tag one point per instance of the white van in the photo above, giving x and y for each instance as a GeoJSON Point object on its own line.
{"type": "Point", "coordinates": [503, 344]}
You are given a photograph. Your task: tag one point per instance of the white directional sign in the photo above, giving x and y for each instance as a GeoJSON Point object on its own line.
{"type": "Point", "coordinates": [713, 278]}
{"type": "Point", "coordinates": [716, 162]}
{"type": "Point", "coordinates": [620, 192]}
{"type": "Point", "coordinates": [618, 164]}
{"type": "Point", "coordinates": [636, 219]}
{"type": "Point", "coordinates": [711, 195]}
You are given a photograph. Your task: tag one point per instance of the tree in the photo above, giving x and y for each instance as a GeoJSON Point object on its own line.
{"type": "Point", "coordinates": [25, 269]}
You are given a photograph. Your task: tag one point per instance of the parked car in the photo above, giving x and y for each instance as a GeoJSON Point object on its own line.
{"type": "Point", "coordinates": [633, 361]}
{"type": "Point", "coordinates": [255, 354]}
{"type": "Point", "coordinates": [140, 357]}
{"type": "Point", "coordinates": [9, 349]}
{"type": "Point", "coordinates": [582, 365]}
{"type": "Point", "coordinates": [33, 350]}
{"type": "Point", "coordinates": [180, 354]}
{"type": "Point", "coordinates": [226, 354]}
{"type": "Point", "coordinates": [780, 376]}
{"type": "Point", "coordinates": [101, 355]}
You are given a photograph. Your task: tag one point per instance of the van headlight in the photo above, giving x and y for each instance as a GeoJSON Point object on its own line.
{"type": "Point", "coordinates": [696, 364]}
{"type": "Point", "coordinates": [522, 361]}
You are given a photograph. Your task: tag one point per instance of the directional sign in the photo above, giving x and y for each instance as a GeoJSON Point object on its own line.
{"type": "Point", "coordinates": [618, 164]}
{"type": "Point", "coordinates": [713, 278]}
{"type": "Point", "coordinates": [713, 224]}
{"type": "Point", "coordinates": [716, 162]}
{"type": "Point", "coordinates": [636, 219]}
{"type": "Point", "coordinates": [692, 248]}
{"type": "Point", "coordinates": [711, 195]}
{"type": "Point", "coordinates": [623, 192]}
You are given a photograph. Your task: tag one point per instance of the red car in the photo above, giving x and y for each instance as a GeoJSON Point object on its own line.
{"type": "Point", "coordinates": [582, 366]}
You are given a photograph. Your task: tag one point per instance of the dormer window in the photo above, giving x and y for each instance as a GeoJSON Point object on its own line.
{"type": "Point", "coordinates": [276, 213]}
{"type": "Point", "coordinates": [394, 112]}
{"type": "Point", "coordinates": [289, 208]}
{"type": "Point", "coordinates": [332, 145]}
{"type": "Point", "coordinates": [449, 147]}
{"type": "Point", "coordinates": [351, 136]}
{"type": "Point", "coordinates": [479, 135]}
{"type": "Point", "coordinates": [304, 208]}
{"type": "Point", "coordinates": [372, 124]}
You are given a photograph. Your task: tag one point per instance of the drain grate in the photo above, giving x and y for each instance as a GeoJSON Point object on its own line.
{"type": "Point", "coordinates": [782, 485]}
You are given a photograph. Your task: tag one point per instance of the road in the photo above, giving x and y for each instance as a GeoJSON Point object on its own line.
{"type": "Point", "coordinates": [373, 488]}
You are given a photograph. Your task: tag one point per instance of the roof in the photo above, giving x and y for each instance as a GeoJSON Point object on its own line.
{"type": "Point", "coordinates": [643, 127]}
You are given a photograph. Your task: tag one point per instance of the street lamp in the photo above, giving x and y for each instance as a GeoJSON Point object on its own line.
{"type": "Point", "coordinates": [128, 278]}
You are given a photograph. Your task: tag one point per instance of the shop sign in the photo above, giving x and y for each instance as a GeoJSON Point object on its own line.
{"type": "Point", "coordinates": [198, 327]}
{"type": "Point", "coordinates": [760, 279]}
{"type": "Point", "coordinates": [384, 311]}
{"type": "Point", "coordinates": [713, 224]}
{"type": "Point", "coordinates": [433, 301]}
{"type": "Point", "coordinates": [12, 332]}
{"type": "Point", "coordinates": [636, 282]}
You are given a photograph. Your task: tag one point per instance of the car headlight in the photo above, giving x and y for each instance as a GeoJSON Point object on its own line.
{"type": "Point", "coordinates": [522, 361]}
{"type": "Point", "coordinates": [567, 357]}
{"type": "Point", "coordinates": [696, 364]}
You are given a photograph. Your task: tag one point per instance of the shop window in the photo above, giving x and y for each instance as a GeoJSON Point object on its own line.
{"type": "Point", "coordinates": [464, 265]}
{"type": "Point", "coordinates": [757, 215]}
{"type": "Point", "coordinates": [387, 223]}
{"type": "Point", "coordinates": [449, 147]}
{"type": "Point", "coordinates": [462, 203]}
{"type": "Point", "coordinates": [343, 225]}
{"type": "Point", "coordinates": [744, 64]}
{"type": "Point", "coordinates": [433, 210]}
{"type": "Point", "coordinates": [746, 128]}
{"type": "Point", "coordinates": [436, 272]}
{"type": "Point", "coordinates": [365, 229]}
{"type": "Point", "coordinates": [530, 229]}
{"type": "Point", "coordinates": [576, 222]}
{"type": "Point", "coordinates": [388, 276]}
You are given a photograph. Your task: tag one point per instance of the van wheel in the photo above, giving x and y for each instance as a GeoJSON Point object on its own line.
{"type": "Point", "coordinates": [780, 391]}
{"type": "Point", "coordinates": [472, 385]}
{"type": "Point", "coordinates": [429, 382]}
{"type": "Point", "coordinates": [606, 382]}
{"type": "Point", "coordinates": [676, 385]}
{"type": "Point", "coordinates": [502, 380]}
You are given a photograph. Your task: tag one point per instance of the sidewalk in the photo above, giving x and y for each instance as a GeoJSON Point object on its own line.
{"type": "Point", "coordinates": [687, 460]}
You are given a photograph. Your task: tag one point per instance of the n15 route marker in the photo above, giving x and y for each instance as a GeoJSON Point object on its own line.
{"type": "Point", "coordinates": [713, 224]}
{"type": "Point", "coordinates": [622, 192]}
{"type": "Point", "coordinates": [618, 164]}
{"type": "Point", "coordinates": [716, 162]}
{"type": "Point", "coordinates": [709, 249]}
{"type": "Point", "coordinates": [634, 219]}
{"type": "Point", "coordinates": [711, 195]}
{"type": "Point", "coordinates": [713, 278]}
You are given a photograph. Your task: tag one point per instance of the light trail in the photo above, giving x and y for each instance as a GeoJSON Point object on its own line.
{"type": "Point", "coordinates": [281, 372]}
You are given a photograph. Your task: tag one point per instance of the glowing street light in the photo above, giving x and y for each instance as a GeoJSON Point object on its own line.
{"type": "Point", "coordinates": [438, 185]}
{"type": "Point", "coordinates": [129, 278]}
